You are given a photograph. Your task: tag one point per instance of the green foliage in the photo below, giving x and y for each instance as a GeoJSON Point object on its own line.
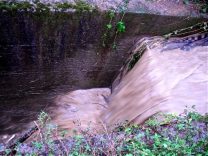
{"type": "Point", "coordinates": [37, 6]}
{"type": "Point", "coordinates": [169, 140]}
{"type": "Point", "coordinates": [82, 6]}
{"type": "Point", "coordinates": [37, 145]}
{"type": "Point", "coordinates": [43, 118]}
{"type": "Point", "coordinates": [41, 7]}
{"type": "Point", "coordinates": [109, 27]}
{"type": "Point", "coordinates": [111, 14]}
{"type": "Point", "coordinates": [174, 135]}
{"type": "Point", "coordinates": [64, 6]}
{"type": "Point", "coordinates": [121, 27]}
{"type": "Point", "coordinates": [118, 27]}
{"type": "Point", "coordinates": [14, 6]}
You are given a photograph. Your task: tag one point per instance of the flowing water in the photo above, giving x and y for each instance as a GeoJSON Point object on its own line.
{"type": "Point", "coordinates": [167, 78]}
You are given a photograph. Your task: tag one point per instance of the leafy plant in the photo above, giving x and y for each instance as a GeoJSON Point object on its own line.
{"type": "Point", "coordinates": [119, 27]}
{"type": "Point", "coordinates": [109, 27]}
{"type": "Point", "coordinates": [186, 134]}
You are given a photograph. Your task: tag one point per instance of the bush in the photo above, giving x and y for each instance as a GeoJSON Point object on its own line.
{"type": "Point", "coordinates": [186, 134]}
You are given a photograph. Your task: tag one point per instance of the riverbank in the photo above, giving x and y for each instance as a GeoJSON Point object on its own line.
{"type": "Point", "coordinates": [186, 134]}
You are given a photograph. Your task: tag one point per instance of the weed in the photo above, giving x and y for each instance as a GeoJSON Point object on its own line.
{"type": "Point", "coordinates": [48, 132]}
{"type": "Point", "coordinates": [119, 27]}
{"type": "Point", "coordinates": [173, 135]}
{"type": "Point", "coordinates": [109, 27]}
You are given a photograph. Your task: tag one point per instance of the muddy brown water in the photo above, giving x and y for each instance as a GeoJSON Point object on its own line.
{"type": "Point", "coordinates": [45, 55]}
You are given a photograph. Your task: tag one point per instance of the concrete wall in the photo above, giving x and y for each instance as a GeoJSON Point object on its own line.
{"type": "Point", "coordinates": [45, 55]}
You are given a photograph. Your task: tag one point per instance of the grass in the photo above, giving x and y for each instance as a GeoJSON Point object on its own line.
{"type": "Point", "coordinates": [186, 134]}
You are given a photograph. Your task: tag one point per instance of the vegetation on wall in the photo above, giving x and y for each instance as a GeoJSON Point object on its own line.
{"type": "Point", "coordinates": [113, 27]}
{"type": "Point", "coordinates": [37, 6]}
{"type": "Point", "coordinates": [80, 6]}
